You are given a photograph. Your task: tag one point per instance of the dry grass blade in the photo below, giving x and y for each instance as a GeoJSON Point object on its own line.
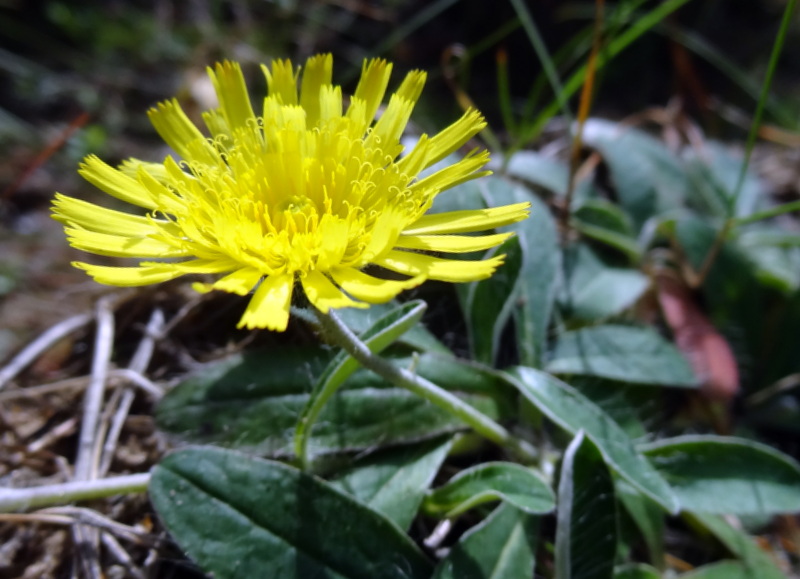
{"type": "Point", "coordinates": [40, 345]}
{"type": "Point", "coordinates": [139, 363]}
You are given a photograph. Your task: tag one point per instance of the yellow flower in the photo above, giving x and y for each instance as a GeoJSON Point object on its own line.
{"type": "Point", "coordinates": [304, 192]}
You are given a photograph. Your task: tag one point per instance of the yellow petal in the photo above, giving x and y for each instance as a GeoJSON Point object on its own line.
{"type": "Point", "coordinates": [239, 282]}
{"type": "Point", "coordinates": [417, 159]}
{"type": "Point", "coordinates": [217, 125]}
{"type": "Point", "coordinates": [372, 85]}
{"type": "Point", "coordinates": [317, 73]}
{"type": "Point", "coordinates": [164, 196]}
{"type": "Point", "coordinates": [71, 211]}
{"type": "Point", "coordinates": [172, 124]}
{"type": "Point", "coordinates": [412, 85]}
{"type": "Point", "coordinates": [454, 136]}
{"type": "Point", "coordinates": [131, 168]}
{"type": "Point", "coordinates": [205, 266]}
{"type": "Point", "coordinates": [269, 307]}
{"type": "Point", "coordinates": [383, 235]}
{"type": "Point", "coordinates": [231, 89]}
{"type": "Point", "coordinates": [115, 183]}
{"type": "Point", "coordinates": [454, 174]}
{"type": "Point", "coordinates": [451, 243]}
{"type": "Point", "coordinates": [330, 98]}
{"type": "Point", "coordinates": [321, 292]}
{"type": "Point", "coordinates": [281, 81]}
{"type": "Point", "coordinates": [468, 220]}
{"type": "Point", "coordinates": [335, 233]}
{"type": "Point", "coordinates": [121, 246]}
{"type": "Point", "coordinates": [130, 276]}
{"type": "Point", "coordinates": [391, 125]}
{"type": "Point", "coordinates": [450, 270]}
{"type": "Point", "coordinates": [371, 289]}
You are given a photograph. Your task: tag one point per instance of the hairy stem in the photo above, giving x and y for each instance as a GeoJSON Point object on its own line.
{"type": "Point", "coordinates": [337, 333]}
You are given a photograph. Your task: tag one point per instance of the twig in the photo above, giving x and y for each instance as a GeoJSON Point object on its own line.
{"type": "Point", "coordinates": [587, 94]}
{"type": "Point", "coordinates": [40, 517]}
{"type": "Point", "coordinates": [80, 515]}
{"type": "Point", "coordinates": [44, 155]}
{"type": "Point", "coordinates": [75, 383]}
{"type": "Point", "coordinates": [40, 345]}
{"type": "Point", "coordinates": [49, 495]}
{"type": "Point", "coordinates": [782, 386]}
{"type": "Point", "coordinates": [64, 429]}
{"type": "Point", "coordinates": [140, 381]}
{"type": "Point", "coordinates": [85, 463]}
{"type": "Point", "coordinates": [87, 539]}
{"type": "Point", "coordinates": [114, 377]}
{"type": "Point", "coordinates": [120, 554]}
{"type": "Point", "coordinates": [139, 362]}
{"type": "Point", "coordinates": [185, 310]}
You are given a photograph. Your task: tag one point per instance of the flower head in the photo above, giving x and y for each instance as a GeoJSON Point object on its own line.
{"type": "Point", "coordinates": [303, 192]}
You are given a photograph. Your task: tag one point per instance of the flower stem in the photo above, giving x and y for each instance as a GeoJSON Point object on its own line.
{"type": "Point", "coordinates": [48, 495]}
{"type": "Point", "coordinates": [338, 334]}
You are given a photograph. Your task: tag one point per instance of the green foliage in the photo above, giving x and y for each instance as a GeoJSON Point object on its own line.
{"type": "Point", "coordinates": [624, 353]}
{"type": "Point", "coordinates": [727, 475]}
{"type": "Point", "coordinates": [394, 482]}
{"type": "Point", "coordinates": [586, 532]}
{"type": "Point", "coordinates": [568, 347]}
{"type": "Point", "coordinates": [592, 368]}
{"type": "Point", "coordinates": [573, 412]}
{"type": "Point", "coordinates": [240, 516]}
{"type": "Point", "coordinates": [502, 545]}
{"type": "Point", "coordinates": [491, 481]}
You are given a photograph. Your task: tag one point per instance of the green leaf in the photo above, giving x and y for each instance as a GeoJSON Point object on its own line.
{"type": "Point", "coordinates": [488, 303]}
{"type": "Point", "coordinates": [592, 290]}
{"type": "Point", "coordinates": [377, 338]}
{"type": "Point", "coordinates": [253, 401]}
{"type": "Point", "coordinates": [539, 273]}
{"type": "Point", "coordinates": [249, 376]}
{"type": "Point", "coordinates": [725, 570]}
{"type": "Point", "coordinates": [636, 571]}
{"type": "Point", "coordinates": [239, 516]}
{"type": "Point", "coordinates": [776, 258]}
{"type": "Point", "coordinates": [586, 525]}
{"type": "Point", "coordinates": [536, 169]}
{"type": "Point", "coordinates": [418, 337]}
{"type": "Point", "coordinates": [491, 481]}
{"type": "Point", "coordinates": [604, 221]}
{"type": "Point", "coordinates": [503, 545]}
{"type": "Point", "coordinates": [395, 481]}
{"type": "Point", "coordinates": [628, 404]}
{"type": "Point", "coordinates": [757, 564]}
{"type": "Point", "coordinates": [647, 515]}
{"type": "Point", "coordinates": [572, 411]}
{"type": "Point", "coordinates": [638, 355]}
{"type": "Point", "coordinates": [714, 474]}
{"type": "Point", "coordinates": [647, 177]}
{"type": "Point", "coordinates": [713, 177]}
{"type": "Point", "coordinates": [354, 420]}
{"type": "Point", "coordinates": [604, 214]}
